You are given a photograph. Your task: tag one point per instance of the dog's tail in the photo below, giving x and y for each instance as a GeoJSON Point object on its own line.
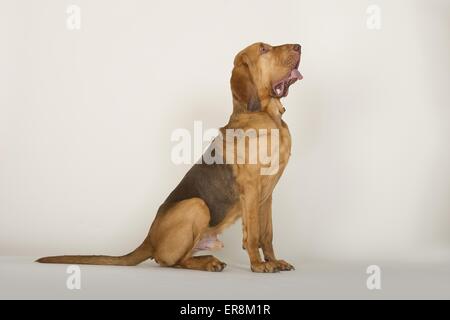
{"type": "Point", "coordinates": [140, 254]}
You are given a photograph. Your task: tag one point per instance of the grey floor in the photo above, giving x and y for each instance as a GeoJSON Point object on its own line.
{"type": "Point", "coordinates": [21, 278]}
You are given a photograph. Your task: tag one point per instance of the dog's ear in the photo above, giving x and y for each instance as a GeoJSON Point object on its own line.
{"type": "Point", "coordinates": [242, 85]}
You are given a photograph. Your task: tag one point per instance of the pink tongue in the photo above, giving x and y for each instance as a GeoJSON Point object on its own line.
{"type": "Point", "coordinates": [295, 74]}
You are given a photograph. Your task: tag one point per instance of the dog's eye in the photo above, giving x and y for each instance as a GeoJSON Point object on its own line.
{"type": "Point", "coordinates": [263, 49]}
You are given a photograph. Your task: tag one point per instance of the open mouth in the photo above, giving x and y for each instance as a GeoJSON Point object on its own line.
{"type": "Point", "coordinates": [281, 88]}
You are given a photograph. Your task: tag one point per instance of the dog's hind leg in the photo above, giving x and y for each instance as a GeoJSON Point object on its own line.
{"type": "Point", "coordinates": [176, 232]}
{"type": "Point", "coordinates": [204, 263]}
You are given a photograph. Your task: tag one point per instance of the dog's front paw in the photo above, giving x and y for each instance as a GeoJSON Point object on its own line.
{"type": "Point", "coordinates": [265, 267]}
{"type": "Point", "coordinates": [283, 265]}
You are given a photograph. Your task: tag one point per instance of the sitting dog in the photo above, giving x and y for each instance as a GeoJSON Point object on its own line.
{"type": "Point", "coordinates": [214, 195]}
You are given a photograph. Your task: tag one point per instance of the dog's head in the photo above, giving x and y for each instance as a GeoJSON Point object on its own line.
{"type": "Point", "coordinates": [262, 71]}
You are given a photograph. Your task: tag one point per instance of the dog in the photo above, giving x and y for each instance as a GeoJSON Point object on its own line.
{"type": "Point", "coordinates": [212, 196]}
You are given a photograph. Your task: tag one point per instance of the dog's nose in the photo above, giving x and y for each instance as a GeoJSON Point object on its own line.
{"type": "Point", "coordinates": [297, 47]}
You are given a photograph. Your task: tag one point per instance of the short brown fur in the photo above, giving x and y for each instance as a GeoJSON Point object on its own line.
{"type": "Point", "coordinates": [211, 197]}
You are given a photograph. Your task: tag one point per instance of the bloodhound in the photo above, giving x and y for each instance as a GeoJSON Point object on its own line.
{"type": "Point", "coordinates": [213, 195]}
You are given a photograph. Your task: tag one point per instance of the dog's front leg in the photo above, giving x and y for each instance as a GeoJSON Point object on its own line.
{"type": "Point", "coordinates": [266, 236]}
{"type": "Point", "coordinates": [251, 228]}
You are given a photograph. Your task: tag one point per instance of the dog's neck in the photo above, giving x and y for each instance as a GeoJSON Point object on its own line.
{"type": "Point", "coordinates": [272, 106]}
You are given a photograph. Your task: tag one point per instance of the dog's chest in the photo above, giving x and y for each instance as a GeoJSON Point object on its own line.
{"type": "Point", "coordinates": [269, 181]}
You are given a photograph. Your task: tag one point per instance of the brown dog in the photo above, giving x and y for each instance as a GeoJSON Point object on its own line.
{"type": "Point", "coordinates": [212, 196]}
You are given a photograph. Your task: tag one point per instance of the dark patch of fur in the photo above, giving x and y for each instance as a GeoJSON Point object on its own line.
{"type": "Point", "coordinates": [214, 183]}
{"type": "Point", "coordinates": [254, 105]}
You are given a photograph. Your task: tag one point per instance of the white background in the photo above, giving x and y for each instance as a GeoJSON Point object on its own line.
{"type": "Point", "coordinates": [86, 118]}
